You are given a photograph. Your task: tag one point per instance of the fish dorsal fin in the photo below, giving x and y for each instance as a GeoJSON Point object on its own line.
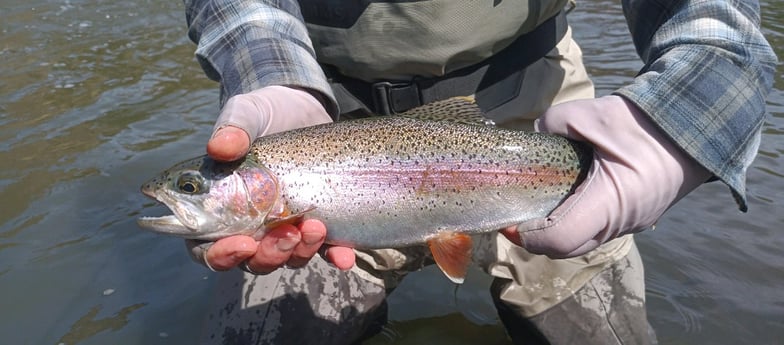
{"type": "Point", "coordinates": [456, 109]}
{"type": "Point", "coordinates": [452, 253]}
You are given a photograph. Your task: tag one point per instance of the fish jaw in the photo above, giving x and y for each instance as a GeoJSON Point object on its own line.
{"type": "Point", "coordinates": [211, 200]}
{"type": "Point", "coordinates": [164, 224]}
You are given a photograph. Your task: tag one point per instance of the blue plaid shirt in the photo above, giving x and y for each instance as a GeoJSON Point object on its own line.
{"type": "Point", "coordinates": [707, 69]}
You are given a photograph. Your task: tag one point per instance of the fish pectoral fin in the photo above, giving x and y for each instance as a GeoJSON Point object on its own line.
{"type": "Point", "coordinates": [293, 218]}
{"type": "Point", "coordinates": [452, 253]}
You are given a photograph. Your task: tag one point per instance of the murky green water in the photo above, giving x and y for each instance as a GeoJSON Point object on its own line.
{"type": "Point", "coordinates": [95, 96]}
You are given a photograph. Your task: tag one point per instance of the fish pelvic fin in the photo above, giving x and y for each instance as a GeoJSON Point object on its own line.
{"type": "Point", "coordinates": [452, 253]}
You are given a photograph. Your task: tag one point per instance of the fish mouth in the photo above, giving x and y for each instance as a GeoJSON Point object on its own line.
{"type": "Point", "coordinates": [166, 224]}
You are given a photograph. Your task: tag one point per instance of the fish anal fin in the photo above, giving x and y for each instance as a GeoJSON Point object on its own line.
{"type": "Point", "coordinates": [452, 253]}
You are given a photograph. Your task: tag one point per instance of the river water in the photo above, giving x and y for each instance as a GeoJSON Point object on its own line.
{"type": "Point", "coordinates": [96, 96]}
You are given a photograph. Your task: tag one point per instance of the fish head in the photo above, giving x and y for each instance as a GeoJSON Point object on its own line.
{"type": "Point", "coordinates": [211, 200]}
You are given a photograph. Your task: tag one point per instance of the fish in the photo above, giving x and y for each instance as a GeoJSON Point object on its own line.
{"type": "Point", "coordinates": [435, 175]}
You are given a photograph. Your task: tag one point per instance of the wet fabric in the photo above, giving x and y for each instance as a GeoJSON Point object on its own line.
{"type": "Point", "coordinates": [608, 310]}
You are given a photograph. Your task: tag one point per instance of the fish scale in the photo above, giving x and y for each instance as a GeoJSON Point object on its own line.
{"type": "Point", "coordinates": [380, 182]}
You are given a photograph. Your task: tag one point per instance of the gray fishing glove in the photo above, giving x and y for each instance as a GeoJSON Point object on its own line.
{"type": "Point", "coordinates": [637, 174]}
{"type": "Point", "coordinates": [264, 111]}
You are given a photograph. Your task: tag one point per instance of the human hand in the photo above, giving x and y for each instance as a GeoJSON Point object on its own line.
{"type": "Point", "coordinates": [261, 112]}
{"type": "Point", "coordinates": [245, 117]}
{"type": "Point", "coordinates": [288, 245]}
{"type": "Point", "coordinates": [637, 173]}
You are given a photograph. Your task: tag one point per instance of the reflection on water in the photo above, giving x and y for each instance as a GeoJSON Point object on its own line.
{"type": "Point", "coordinates": [97, 95]}
{"type": "Point", "coordinates": [87, 325]}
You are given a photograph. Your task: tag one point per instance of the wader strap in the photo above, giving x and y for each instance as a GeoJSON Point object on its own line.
{"type": "Point", "coordinates": [392, 97]}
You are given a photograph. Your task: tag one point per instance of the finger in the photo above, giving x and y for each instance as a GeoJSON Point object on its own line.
{"type": "Point", "coordinates": [275, 249]}
{"type": "Point", "coordinates": [313, 233]}
{"type": "Point", "coordinates": [228, 144]}
{"type": "Point", "coordinates": [582, 220]}
{"type": "Point", "coordinates": [559, 119]}
{"type": "Point", "coordinates": [558, 243]}
{"type": "Point", "coordinates": [512, 234]}
{"type": "Point", "coordinates": [229, 252]}
{"type": "Point", "coordinates": [342, 257]}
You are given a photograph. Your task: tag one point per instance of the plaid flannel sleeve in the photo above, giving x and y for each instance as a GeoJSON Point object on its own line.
{"type": "Point", "coordinates": [246, 45]}
{"type": "Point", "coordinates": [707, 72]}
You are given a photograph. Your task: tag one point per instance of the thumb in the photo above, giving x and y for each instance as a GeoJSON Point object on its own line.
{"type": "Point", "coordinates": [240, 122]}
{"type": "Point", "coordinates": [228, 144]}
{"type": "Point", "coordinates": [567, 119]}
{"type": "Point", "coordinates": [576, 226]}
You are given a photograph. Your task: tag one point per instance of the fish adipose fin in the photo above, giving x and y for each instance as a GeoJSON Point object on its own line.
{"type": "Point", "coordinates": [452, 253]}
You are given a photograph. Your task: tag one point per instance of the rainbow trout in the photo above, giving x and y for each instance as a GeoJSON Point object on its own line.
{"type": "Point", "coordinates": [381, 182]}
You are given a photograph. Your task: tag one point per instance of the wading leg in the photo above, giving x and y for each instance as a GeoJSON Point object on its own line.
{"type": "Point", "coordinates": [608, 309]}
{"type": "Point", "coordinates": [316, 304]}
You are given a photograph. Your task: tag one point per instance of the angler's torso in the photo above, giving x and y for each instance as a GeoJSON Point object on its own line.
{"type": "Point", "coordinates": [397, 40]}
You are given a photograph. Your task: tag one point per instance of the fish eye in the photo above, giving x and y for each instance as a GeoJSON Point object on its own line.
{"type": "Point", "coordinates": [190, 182]}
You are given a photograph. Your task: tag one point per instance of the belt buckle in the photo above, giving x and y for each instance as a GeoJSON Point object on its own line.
{"type": "Point", "coordinates": [394, 97]}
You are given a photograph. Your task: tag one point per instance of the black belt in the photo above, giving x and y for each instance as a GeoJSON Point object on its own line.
{"type": "Point", "coordinates": [392, 97]}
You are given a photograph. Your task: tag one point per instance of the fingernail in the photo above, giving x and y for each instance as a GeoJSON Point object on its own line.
{"type": "Point", "coordinates": [215, 132]}
{"type": "Point", "coordinates": [287, 243]}
{"type": "Point", "coordinates": [311, 238]}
